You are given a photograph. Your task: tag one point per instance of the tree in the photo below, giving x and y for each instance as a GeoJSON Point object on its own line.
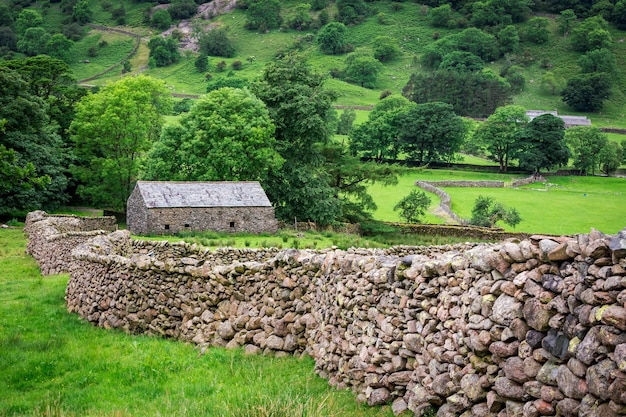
{"type": "Point", "coordinates": [112, 130]}
{"type": "Point", "coordinates": [349, 177]}
{"type": "Point", "coordinates": [227, 136]}
{"type": "Point", "coordinates": [385, 48]}
{"type": "Point", "coordinates": [52, 80]}
{"type": "Point", "coordinates": [431, 132]}
{"type": "Point", "coordinates": [351, 12]}
{"type": "Point", "coordinates": [508, 38]}
{"type": "Point", "coordinates": [216, 43]}
{"type": "Point", "coordinates": [161, 19]}
{"type": "Point", "coordinates": [500, 132]}
{"type": "Point", "coordinates": [537, 30]}
{"type": "Point", "coordinates": [611, 157]}
{"type": "Point", "coordinates": [34, 41]}
{"type": "Point", "coordinates": [592, 33]}
{"type": "Point", "coordinates": [301, 18]}
{"type": "Point", "coordinates": [586, 143]}
{"type": "Point", "coordinates": [486, 213]}
{"type": "Point", "coordinates": [598, 60]}
{"type": "Point", "coordinates": [164, 51]}
{"type": "Point", "coordinates": [81, 13]}
{"type": "Point", "coordinates": [263, 15]}
{"type": "Point", "coordinates": [619, 15]}
{"type": "Point", "coordinates": [301, 108]}
{"type": "Point", "coordinates": [461, 61]}
{"type": "Point", "coordinates": [541, 145]}
{"type": "Point", "coordinates": [565, 21]}
{"type": "Point", "coordinates": [202, 62]}
{"type": "Point", "coordinates": [6, 16]}
{"type": "Point", "coordinates": [472, 94]}
{"type": "Point", "coordinates": [28, 18]}
{"type": "Point", "coordinates": [441, 16]}
{"type": "Point", "coordinates": [184, 9]}
{"type": "Point", "coordinates": [413, 206]}
{"type": "Point", "coordinates": [362, 69]}
{"type": "Point", "coordinates": [551, 82]}
{"type": "Point", "coordinates": [33, 157]}
{"type": "Point", "coordinates": [58, 46]}
{"type": "Point", "coordinates": [332, 38]}
{"type": "Point", "coordinates": [377, 138]}
{"type": "Point", "coordinates": [8, 40]}
{"type": "Point", "coordinates": [346, 120]}
{"type": "Point", "coordinates": [587, 92]}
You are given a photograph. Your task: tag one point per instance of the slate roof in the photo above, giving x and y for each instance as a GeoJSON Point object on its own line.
{"type": "Point", "coordinates": [568, 120]}
{"type": "Point", "coordinates": [166, 194]}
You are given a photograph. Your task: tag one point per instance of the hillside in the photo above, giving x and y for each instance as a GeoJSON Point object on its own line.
{"type": "Point", "coordinates": [407, 23]}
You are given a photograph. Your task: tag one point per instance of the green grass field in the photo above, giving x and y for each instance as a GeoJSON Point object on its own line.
{"type": "Point", "coordinates": [54, 364]}
{"type": "Point", "coordinates": [565, 205]}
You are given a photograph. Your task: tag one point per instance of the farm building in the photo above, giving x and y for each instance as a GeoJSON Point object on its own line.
{"type": "Point", "coordinates": [568, 120]}
{"type": "Point", "coordinates": [161, 207]}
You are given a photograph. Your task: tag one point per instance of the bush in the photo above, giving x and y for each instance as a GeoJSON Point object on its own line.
{"type": "Point", "coordinates": [413, 206]}
{"type": "Point", "coordinates": [161, 19]}
{"type": "Point", "coordinates": [217, 43]}
{"type": "Point", "coordinates": [487, 213]}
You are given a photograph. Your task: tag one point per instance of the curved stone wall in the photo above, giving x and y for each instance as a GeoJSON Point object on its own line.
{"type": "Point", "coordinates": [52, 238]}
{"type": "Point", "coordinates": [531, 327]}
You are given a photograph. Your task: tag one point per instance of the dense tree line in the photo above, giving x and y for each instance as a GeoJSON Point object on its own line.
{"type": "Point", "coordinates": [59, 142]}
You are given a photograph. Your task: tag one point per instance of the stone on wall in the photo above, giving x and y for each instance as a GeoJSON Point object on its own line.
{"type": "Point", "coordinates": [491, 329]}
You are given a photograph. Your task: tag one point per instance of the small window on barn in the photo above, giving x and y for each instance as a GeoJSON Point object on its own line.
{"type": "Point", "coordinates": [232, 224]}
{"type": "Point", "coordinates": [187, 225]}
{"type": "Point", "coordinates": [167, 227]}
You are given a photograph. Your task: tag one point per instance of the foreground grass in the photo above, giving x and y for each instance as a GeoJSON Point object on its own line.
{"type": "Point", "coordinates": [54, 364]}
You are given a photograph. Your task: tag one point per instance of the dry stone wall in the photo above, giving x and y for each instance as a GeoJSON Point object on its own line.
{"type": "Point", "coordinates": [520, 328]}
{"type": "Point", "coordinates": [52, 238]}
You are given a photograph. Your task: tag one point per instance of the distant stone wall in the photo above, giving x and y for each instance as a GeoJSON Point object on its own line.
{"type": "Point", "coordinates": [445, 202]}
{"type": "Point", "coordinates": [466, 183]}
{"type": "Point", "coordinates": [52, 238]}
{"type": "Point", "coordinates": [524, 327]}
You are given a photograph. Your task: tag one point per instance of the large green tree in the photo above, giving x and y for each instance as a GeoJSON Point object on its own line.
{"type": "Point", "coordinates": [33, 157]}
{"type": "Point", "coordinates": [586, 143]}
{"type": "Point", "coordinates": [587, 92]}
{"type": "Point", "coordinates": [350, 178]}
{"type": "Point", "coordinates": [473, 94]}
{"type": "Point", "coordinates": [301, 108]}
{"type": "Point", "coordinates": [227, 136]}
{"type": "Point", "coordinates": [112, 131]}
{"type": "Point", "coordinates": [332, 38]}
{"type": "Point", "coordinates": [541, 145]}
{"type": "Point", "coordinates": [431, 132]}
{"type": "Point", "coordinates": [362, 69]}
{"type": "Point", "coordinates": [500, 132]}
{"type": "Point", "coordinates": [263, 15]}
{"type": "Point", "coordinates": [378, 137]}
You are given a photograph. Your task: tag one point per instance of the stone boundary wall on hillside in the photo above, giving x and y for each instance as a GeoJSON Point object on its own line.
{"type": "Point", "coordinates": [466, 232]}
{"type": "Point", "coordinates": [466, 183]}
{"type": "Point", "coordinates": [51, 239]}
{"type": "Point", "coordinates": [445, 202]}
{"type": "Point", "coordinates": [524, 327]}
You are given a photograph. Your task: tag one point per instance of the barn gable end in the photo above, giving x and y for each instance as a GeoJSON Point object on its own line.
{"type": "Point", "coordinates": [159, 207]}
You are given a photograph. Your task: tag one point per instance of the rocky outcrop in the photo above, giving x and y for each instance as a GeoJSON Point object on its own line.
{"type": "Point", "coordinates": [523, 327]}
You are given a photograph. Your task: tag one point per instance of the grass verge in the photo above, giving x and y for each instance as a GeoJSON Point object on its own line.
{"type": "Point", "coordinates": [54, 364]}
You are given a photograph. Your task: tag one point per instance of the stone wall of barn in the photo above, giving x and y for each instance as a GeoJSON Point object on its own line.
{"type": "Point", "coordinates": [52, 238]}
{"type": "Point", "coordinates": [520, 328]}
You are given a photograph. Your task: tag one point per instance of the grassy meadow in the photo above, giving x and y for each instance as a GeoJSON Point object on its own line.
{"type": "Point", "coordinates": [52, 363]}
{"type": "Point", "coordinates": [406, 22]}
{"type": "Point", "coordinates": [563, 205]}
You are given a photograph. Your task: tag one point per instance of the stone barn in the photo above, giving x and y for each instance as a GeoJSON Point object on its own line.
{"type": "Point", "coordinates": [159, 207]}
